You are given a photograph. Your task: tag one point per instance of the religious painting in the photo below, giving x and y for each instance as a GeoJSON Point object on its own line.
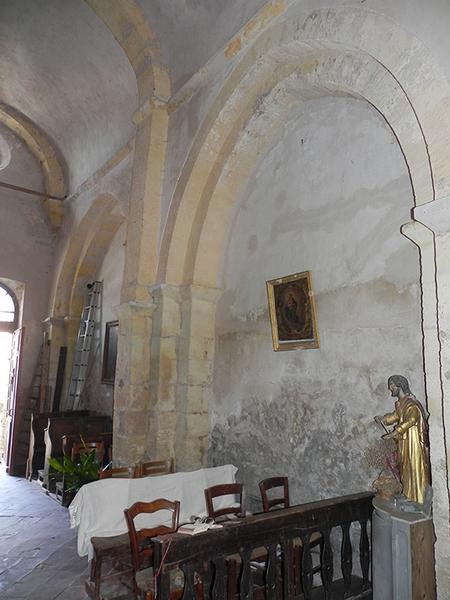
{"type": "Point", "coordinates": [292, 312]}
{"type": "Point", "coordinates": [110, 352]}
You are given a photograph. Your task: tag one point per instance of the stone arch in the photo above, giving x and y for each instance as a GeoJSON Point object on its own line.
{"type": "Point", "coordinates": [132, 31]}
{"type": "Point", "coordinates": [324, 47]}
{"type": "Point", "coordinates": [85, 253]}
{"type": "Point", "coordinates": [52, 163]}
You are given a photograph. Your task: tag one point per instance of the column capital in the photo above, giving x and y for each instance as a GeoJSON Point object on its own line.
{"type": "Point", "coordinates": [166, 290]}
{"type": "Point", "coordinates": [435, 215]}
{"type": "Point", "coordinates": [144, 309]}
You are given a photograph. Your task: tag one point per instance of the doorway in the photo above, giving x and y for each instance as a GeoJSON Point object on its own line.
{"type": "Point", "coordinates": [8, 367]}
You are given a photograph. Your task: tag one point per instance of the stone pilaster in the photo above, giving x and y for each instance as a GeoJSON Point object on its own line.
{"type": "Point", "coordinates": [133, 412]}
{"type": "Point", "coordinates": [195, 373]}
{"type": "Point", "coordinates": [164, 372]}
{"type": "Point", "coordinates": [132, 396]}
{"type": "Point", "coordinates": [430, 231]}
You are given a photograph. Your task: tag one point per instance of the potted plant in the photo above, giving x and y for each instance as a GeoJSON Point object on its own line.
{"type": "Point", "coordinates": [75, 473]}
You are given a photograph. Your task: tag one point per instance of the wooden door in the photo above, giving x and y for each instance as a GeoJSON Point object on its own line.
{"type": "Point", "coordinates": [13, 386]}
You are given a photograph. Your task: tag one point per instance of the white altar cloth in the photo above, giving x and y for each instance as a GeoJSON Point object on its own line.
{"type": "Point", "coordinates": [97, 509]}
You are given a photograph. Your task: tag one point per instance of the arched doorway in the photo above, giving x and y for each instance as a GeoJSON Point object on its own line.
{"type": "Point", "coordinates": [9, 358]}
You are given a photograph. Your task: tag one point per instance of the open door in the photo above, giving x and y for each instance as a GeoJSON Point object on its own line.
{"type": "Point", "coordinates": [13, 386]}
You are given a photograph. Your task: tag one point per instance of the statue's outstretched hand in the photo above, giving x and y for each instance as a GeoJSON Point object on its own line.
{"type": "Point", "coordinates": [393, 435]}
{"type": "Point", "coordinates": [378, 419]}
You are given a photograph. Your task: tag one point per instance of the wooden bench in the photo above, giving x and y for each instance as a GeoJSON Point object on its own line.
{"type": "Point", "coordinates": [36, 447]}
{"type": "Point", "coordinates": [87, 426]}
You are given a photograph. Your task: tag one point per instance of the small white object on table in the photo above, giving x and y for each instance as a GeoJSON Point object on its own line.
{"type": "Point", "coordinates": [97, 509]}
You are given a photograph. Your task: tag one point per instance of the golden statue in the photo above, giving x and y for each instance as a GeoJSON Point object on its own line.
{"type": "Point", "coordinates": [411, 434]}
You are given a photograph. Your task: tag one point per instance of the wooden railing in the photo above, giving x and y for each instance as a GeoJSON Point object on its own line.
{"type": "Point", "coordinates": [268, 556]}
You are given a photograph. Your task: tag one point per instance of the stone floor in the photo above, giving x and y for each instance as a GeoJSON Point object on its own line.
{"type": "Point", "coordinates": [38, 558]}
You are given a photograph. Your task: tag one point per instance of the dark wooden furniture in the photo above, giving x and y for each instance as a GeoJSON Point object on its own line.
{"type": "Point", "coordinates": [86, 447]}
{"type": "Point", "coordinates": [270, 501]}
{"type": "Point", "coordinates": [203, 557]}
{"type": "Point", "coordinates": [87, 426]}
{"type": "Point", "coordinates": [125, 472]}
{"type": "Point", "coordinates": [225, 489]}
{"type": "Point", "coordinates": [156, 467]}
{"type": "Point", "coordinates": [68, 442]}
{"type": "Point", "coordinates": [113, 548]}
{"type": "Point", "coordinates": [141, 547]}
{"type": "Point", "coordinates": [36, 447]}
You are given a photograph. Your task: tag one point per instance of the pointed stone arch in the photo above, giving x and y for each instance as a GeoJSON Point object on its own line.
{"type": "Point", "coordinates": [347, 51]}
{"type": "Point", "coordinates": [326, 48]}
{"type": "Point", "coordinates": [52, 163]}
{"type": "Point", "coordinates": [86, 250]}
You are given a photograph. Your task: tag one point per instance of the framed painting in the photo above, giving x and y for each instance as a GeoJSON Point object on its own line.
{"type": "Point", "coordinates": [110, 352]}
{"type": "Point", "coordinates": [292, 312]}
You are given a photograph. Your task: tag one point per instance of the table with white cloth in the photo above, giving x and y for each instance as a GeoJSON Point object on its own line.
{"type": "Point", "coordinates": [97, 509]}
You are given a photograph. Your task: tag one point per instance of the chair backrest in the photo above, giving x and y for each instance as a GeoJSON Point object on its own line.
{"type": "Point", "coordinates": [125, 472]}
{"type": "Point", "coordinates": [141, 550]}
{"type": "Point", "coordinates": [87, 447]}
{"type": "Point", "coordinates": [282, 501]}
{"type": "Point", "coordinates": [155, 467]}
{"type": "Point", "coordinates": [225, 489]}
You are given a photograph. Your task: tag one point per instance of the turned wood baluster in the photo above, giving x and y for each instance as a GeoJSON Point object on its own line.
{"type": "Point", "coordinates": [189, 586]}
{"type": "Point", "coordinates": [307, 566]}
{"type": "Point", "coordinates": [327, 564]}
{"type": "Point", "coordinates": [163, 586]}
{"type": "Point", "coordinates": [288, 569]}
{"type": "Point", "coordinates": [271, 572]}
{"type": "Point", "coordinates": [364, 554]}
{"type": "Point", "coordinates": [162, 582]}
{"type": "Point", "coordinates": [246, 583]}
{"type": "Point", "coordinates": [220, 579]}
{"type": "Point", "coordinates": [346, 556]}
{"type": "Point", "coordinates": [205, 573]}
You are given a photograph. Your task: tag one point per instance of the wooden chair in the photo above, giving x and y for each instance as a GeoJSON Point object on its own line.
{"type": "Point", "coordinates": [271, 483]}
{"type": "Point", "coordinates": [112, 548]}
{"type": "Point", "coordinates": [269, 502]}
{"type": "Point", "coordinates": [225, 489]}
{"type": "Point", "coordinates": [121, 472]}
{"type": "Point", "coordinates": [155, 467]}
{"type": "Point", "coordinates": [81, 447]}
{"type": "Point", "coordinates": [141, 547]}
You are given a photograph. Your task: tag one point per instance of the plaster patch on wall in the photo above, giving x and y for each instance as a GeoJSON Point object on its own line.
{"type": "Point", "coordinates": [321, 451]}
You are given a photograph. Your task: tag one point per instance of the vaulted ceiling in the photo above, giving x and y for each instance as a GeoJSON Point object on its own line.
{"type": "Point", "coordinates": [65, 78]}
{"type": "Point", "coordinates": [61, 68]}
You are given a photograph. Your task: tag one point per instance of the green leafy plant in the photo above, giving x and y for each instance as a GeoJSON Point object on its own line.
{"type": "Point", "coordinates": [75, 473]}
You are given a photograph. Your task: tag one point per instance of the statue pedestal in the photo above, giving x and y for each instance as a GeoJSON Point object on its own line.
{"type": "Point", "coordinates": [402, 554]}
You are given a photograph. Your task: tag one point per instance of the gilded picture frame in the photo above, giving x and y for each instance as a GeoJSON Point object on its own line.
{"type": "Point", "coordinates": [292, 312]}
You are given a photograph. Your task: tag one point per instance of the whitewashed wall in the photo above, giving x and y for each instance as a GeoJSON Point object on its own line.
{"type": "Point", "coordinates": [329, 197]}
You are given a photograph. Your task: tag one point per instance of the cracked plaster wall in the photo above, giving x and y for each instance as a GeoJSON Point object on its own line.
{"type": "Point", "coordinates": [329, 197]}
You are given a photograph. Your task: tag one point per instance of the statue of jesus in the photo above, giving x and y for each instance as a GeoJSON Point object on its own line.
{"type": "Point", "coordinates": [411, 435]}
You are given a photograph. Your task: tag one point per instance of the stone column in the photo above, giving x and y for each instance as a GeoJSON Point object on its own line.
{"type": "Point", "coordinates": [195, 372]}
{"type": "Point", "coordinates": [164, 372]}
{"type": "Point", "coordinates": [132, 394]}
{"type": "Point", "coordinates": [431, 233]}
{"type": "Point", "coordinates": [132, 383]}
